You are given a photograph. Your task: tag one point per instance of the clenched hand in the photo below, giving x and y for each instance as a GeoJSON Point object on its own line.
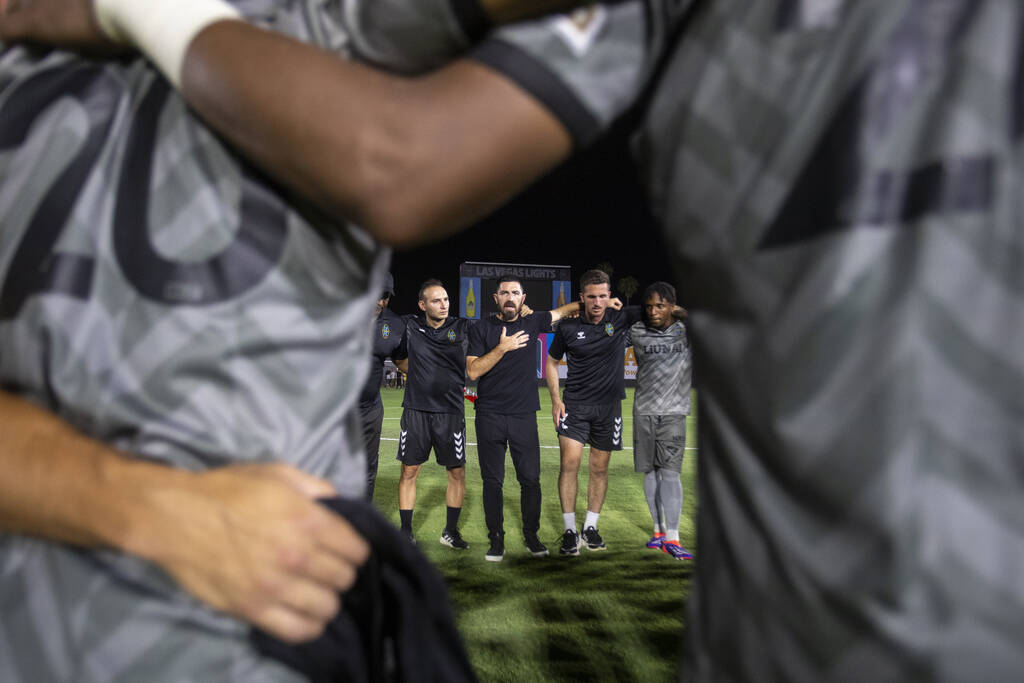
{"type": "Point", "coordinates": [252, 541]}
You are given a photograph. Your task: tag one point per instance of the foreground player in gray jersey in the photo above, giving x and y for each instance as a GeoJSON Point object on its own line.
{"type": "Point", "coordinates": [661, 403]}
{"type": "Point", "coordinates": [198, 352]}
{"type": "Point", "coordinates": [841, 208]}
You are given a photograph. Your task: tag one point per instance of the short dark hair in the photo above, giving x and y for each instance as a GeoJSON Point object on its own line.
{"type": "Point", "coordinates": [508, 277]}
{"type": "Point", "coordinates": [663, 289]}
{"type": "Point", "coordinates": [427, 284]}
{"type": "Point", "coordinates": [595, 277]}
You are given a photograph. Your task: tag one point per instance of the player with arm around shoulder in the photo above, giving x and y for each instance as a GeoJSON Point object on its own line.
{"type": "Point", "coordinates": [660, 406]}
{"type": "Point", "coordinates": [594, 345]}
{"type": "Point", "coordinates": [501, 356]}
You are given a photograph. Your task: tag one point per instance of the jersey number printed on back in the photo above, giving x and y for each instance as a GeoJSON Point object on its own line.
{"type": "Point", "coordinates": [37, 268]}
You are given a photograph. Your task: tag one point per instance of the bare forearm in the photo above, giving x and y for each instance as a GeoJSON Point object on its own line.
{"type": "Point", "coordinates": [248, 540]}
{"type": "Point", "coordinates": [57, 484]}
{"type": "Point", "coordinates": [481, 365]}
{"type": "Point", "coordinates": [387, 152]}
{"type": "Point", "coordinates": [365, 145]}
{"type": "Point", "coordinates": [564, 310]}
{"type": "Point", "coordinates": [551, 377]}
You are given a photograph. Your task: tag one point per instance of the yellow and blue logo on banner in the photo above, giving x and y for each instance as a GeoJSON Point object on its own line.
{"type": "Point", "coordinates": [469, 293]}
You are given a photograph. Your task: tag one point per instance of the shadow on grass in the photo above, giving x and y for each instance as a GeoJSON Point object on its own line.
{"type": "Point", "coordinates": [603, 616]}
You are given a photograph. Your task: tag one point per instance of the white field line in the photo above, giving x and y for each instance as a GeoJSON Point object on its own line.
{"type": "Point", "coordinates": [553, 448]}
{"type": "Point", "coordinates": [624, 417]}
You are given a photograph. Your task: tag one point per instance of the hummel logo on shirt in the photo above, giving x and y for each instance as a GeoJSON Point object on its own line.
{"type": "Point", "coordinates": [581, 335]}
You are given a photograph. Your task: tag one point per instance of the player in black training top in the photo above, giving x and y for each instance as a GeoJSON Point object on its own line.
{"type": "Point", "coordinates": [594, 346]}
{"type": "Point", "coordinates": [433, 354]}
{"type": "Point", "coordinates": [387, 335]}
{"type": "Point", "coordinates": [501, 354]}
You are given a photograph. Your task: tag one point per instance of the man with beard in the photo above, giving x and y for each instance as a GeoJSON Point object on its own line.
{"type": "Point", "coordinates": [387, 334]}
{"type": "Point", "coordinates": [432, 352]}
{"type": "Point", "coordinates": [506, 408]}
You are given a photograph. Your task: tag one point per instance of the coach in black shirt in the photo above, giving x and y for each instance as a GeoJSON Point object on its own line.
{"type": "Point", "coordinates": [594, 346]}
{"type": "Point", "coordinates": [432, 352]}
{"type": "Point", "coordinates": [501, 354]}
{"type": "Point", "coordinates": [387, 335]}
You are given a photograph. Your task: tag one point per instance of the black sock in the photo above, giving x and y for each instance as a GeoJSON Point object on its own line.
{"type": "Point", "coordinates": [406, 517]}
{"type": "Point", "coordinates": [453, 518]}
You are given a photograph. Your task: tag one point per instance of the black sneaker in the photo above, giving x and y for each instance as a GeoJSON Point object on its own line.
{"type": "Point", "coordinates": [533, 544]}
{"type": "Point", "coordinates": [570, 543]}
{"type": "Point", "coordinates": [496, 552]}
{"type": "Point", "coordinates": [408, 534]}
{"type": "Point", "coordinates": [453, 539]}
{"type": "Point", "coordinates": [593, 539]}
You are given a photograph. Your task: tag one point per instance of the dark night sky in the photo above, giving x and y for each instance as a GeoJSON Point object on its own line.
{"type": "Point", "coordinates": [588, 211]}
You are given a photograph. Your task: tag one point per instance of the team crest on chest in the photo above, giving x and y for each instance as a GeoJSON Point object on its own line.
{"type": "Point", "coordinates": [609, 329]}
{"type": "Point", "coordinates": [451, 335]}
{"type": "Point", "coordinates": [385, 331]}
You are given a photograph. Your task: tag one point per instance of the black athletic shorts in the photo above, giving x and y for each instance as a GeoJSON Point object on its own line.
{"type": "Point", "coordinates": [600, 426]}
{"type": "Point", "coordinates": [421, 431]}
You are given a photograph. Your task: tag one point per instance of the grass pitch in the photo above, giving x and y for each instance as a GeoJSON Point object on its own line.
{"type": "Point", "coordinates": [613, 615]}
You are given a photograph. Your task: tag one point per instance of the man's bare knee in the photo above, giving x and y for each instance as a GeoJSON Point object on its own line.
{"type": "Point", "coordinates": [599, 461]}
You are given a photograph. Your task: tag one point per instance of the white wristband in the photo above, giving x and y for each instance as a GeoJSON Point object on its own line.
{"type": "Point", "coordinates": [162, 29]}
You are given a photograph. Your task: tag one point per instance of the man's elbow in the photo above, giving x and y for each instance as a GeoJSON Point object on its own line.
{"type": "Point", "coordinates": [401, 222]}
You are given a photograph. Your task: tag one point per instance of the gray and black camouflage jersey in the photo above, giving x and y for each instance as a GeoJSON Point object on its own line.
{"type": "Point", "coordinates": [663, 369]}
{"type": "Point", "coordinates": [165, 298]}
{"type": "Point", "coordinates": [840, 184]}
